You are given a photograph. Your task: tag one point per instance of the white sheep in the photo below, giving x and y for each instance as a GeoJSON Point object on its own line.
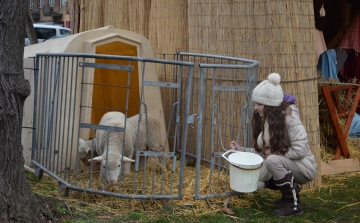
{"type": "Point", "coordinates": [152, 138]}
{"type": "Point", "coordinates": [111, 143]}
{"type": "Point", "coordinates": [115, 140]}
{"type": "Point", "coordinates": [85, 149]}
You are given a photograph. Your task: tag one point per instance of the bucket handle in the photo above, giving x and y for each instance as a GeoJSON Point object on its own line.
{"type": "Point", "coordinates": [226, 154]}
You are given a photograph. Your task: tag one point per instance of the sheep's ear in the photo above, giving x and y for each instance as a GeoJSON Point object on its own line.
{"type": "Point", "coordinates": [126, 159]}
{"type": "Point", "coordinates": [81, 141]}
{"type": "Point", "coordinates": [88, 149]}
{"type": "Point", "coordinates": [97, 159]}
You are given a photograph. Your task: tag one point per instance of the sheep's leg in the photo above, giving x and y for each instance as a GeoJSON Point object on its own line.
{"type": "Point", "coordinates": [141, 162]}
{"type": "Point", "coordinates": [142, 147]}
{"type": "Point", "coordinates": [155, 145]}
{"type": "Point", "coordinates": [102, 174]}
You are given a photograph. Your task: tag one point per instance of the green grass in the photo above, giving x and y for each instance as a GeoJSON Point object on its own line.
{"type": "Point", "coordinates": [337, 200]}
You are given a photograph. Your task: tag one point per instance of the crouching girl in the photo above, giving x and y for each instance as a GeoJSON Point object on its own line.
{"type": "Point", "coordinates": [281, 139]}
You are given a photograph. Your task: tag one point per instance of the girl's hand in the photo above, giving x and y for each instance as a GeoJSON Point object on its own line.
{"type": "Point", "coordinates": [233, 145]}
{"type": "Point", "coordinates": [267, 152]}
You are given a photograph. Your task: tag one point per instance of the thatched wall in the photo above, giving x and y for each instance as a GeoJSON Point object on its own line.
{"type": "Point", "coordinates": [279, 34]}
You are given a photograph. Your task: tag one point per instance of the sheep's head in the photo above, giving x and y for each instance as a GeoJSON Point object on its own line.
{"type": "Point", "coordinates": [113, 167]}
{"type": "Point", "coordinates": [85, 151]}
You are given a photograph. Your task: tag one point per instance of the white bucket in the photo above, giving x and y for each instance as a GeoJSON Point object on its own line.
{"type": "Point", "coordinates": [244, 171]}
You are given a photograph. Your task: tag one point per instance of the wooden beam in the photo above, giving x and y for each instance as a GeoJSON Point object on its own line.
{"type": "Point", "coordinates": [337, 38]}
{"type": "Point", "coordinates": [346, 22]}
{"type": "Point", "coordinates": [333, 113]}
{"type": "Point", "coordinates": [340, 166]}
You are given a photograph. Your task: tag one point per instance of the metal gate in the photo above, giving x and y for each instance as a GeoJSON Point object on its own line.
{"type": "Point", "coordinates": [223, 105]}
{"type": "Point", "coordinates": [209, 93]}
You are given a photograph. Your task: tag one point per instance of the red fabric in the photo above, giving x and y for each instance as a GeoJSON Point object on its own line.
{"type": "Point", "coordinates": [351, 69]}
{"type": "Point", "coordinates": [351, 43]}
{"type": "Point", "coordinates": [351, 40]}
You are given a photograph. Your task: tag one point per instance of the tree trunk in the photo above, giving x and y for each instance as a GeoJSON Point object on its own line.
{"type": "Point", "coordinates": [17, 201]}
{"type": "Point", "coordinates": [30, 31]}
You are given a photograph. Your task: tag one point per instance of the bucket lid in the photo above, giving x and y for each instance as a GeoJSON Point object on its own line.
{"type": "Point", "coordinates": [246, 160]}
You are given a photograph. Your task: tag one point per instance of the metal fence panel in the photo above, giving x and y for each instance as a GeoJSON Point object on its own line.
{"type": "Point", "coordinates": [63, 106]}
{"type": "Point", "coordinates": [209, 93]}
{"type": "Point", "coordinates": [222, 101]}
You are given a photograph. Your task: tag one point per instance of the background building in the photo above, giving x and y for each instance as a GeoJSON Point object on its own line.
{"type": "Point", "coordinates": [50, 12]}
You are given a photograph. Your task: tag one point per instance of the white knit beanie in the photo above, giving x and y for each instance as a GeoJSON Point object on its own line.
{"type": "Point", "coordinates": [269, 92]}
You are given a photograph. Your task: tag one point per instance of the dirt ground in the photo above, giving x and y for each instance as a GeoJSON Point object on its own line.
{"type": "Point", "coordinates": [65, 213]}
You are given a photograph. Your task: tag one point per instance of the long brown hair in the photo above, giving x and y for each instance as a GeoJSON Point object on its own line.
{"type": "Point", "coordinates": [275, 116]}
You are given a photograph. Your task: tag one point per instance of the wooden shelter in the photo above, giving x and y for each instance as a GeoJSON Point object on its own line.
{"type": "Point", "coordinates": [278, 34]}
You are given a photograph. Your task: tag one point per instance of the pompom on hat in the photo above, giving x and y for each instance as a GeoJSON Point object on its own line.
{"type": "Point", "coordinates": [269, 92]}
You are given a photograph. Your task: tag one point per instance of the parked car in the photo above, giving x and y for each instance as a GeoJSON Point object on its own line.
{"type": "Point", "coordinates": [47, 31]}
{"type": "Point", "coordinates": [55, 37]}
